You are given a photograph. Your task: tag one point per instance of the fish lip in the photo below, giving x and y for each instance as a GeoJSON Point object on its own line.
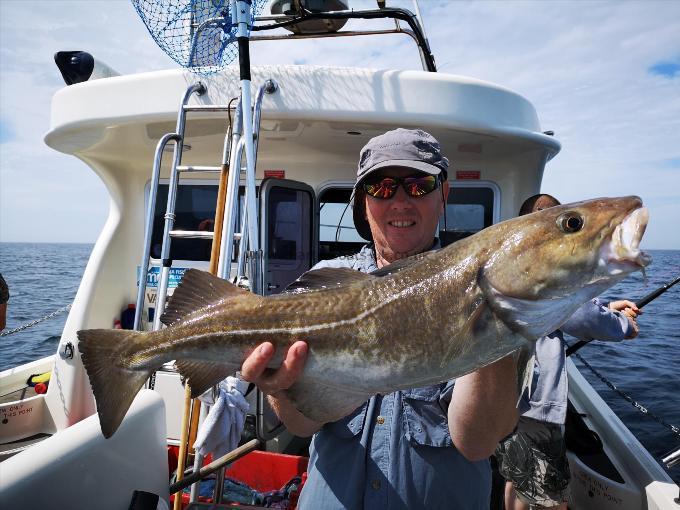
{"type": "Point", "coordinates": [622, 253]}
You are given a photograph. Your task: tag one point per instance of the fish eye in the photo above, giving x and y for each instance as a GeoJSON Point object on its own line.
{"type": "Point", "coordinates": [570, 222]}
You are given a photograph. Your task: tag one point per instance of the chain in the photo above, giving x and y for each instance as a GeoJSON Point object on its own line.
{"type": "Point", "coordinates": [37, 321]}
{"type": "Point", "coordinates": [675, 430]}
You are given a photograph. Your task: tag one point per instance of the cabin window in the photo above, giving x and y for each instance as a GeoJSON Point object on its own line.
{"type": "Point", "coordinates": [286, 239]}
{"type": "Point", "coordinates": [469, 209]}
{"type": "Point", "coordinates": [337, 237]}
{"type": "Point", "coordinates": [194, 211]}
{"type": "Point", "coordinates": [289, 227]}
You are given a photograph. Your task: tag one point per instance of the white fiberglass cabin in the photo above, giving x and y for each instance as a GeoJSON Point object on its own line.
{"type": "Point", "coordinates": [310, 123]}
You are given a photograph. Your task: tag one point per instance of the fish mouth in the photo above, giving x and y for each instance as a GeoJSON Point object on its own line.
{"type": "Point", "coordinates": [622, 253]}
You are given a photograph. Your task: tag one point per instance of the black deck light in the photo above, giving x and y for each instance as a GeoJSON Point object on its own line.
{"type": "Point", "coordinates": [80, 66]}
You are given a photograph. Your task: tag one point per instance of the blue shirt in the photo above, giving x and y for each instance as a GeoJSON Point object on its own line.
{"type": "Point", "coordinates": [393, 452]}
{"type": "Point", "coordinates": [593, 320]}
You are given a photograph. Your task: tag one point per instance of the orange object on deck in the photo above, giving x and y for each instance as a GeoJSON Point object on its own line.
{"type": "Point", "coordinates": [267, 471]}
{"type": "Point", "coordinates": [261, 471]}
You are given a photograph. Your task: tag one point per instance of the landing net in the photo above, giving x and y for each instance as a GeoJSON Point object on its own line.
{"type": "Point", "coordinates": [174, 25]}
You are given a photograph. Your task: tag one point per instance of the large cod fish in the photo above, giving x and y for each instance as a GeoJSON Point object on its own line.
{"type": "Point", "coordinates": [420, 321]}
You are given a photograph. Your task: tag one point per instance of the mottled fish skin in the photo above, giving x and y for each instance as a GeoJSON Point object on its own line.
{"type": "Point", "coordinates": [445, 314]}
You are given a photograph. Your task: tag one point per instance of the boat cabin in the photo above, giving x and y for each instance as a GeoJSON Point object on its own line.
{"type": "Point", "coordinates": [161, 141]}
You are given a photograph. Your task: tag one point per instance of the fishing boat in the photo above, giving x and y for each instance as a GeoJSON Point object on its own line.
{"type": "Point", "coordinates": [257, 194]}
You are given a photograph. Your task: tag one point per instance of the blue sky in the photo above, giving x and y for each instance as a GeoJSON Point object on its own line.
{"type": "Point", "coordinates": [605, 76]}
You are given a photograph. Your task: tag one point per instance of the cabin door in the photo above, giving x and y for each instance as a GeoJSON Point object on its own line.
{"type": "Point", "coordinates": [288, 231]}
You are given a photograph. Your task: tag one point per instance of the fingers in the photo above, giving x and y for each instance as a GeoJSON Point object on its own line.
{"type": "Point", "coordinates": [255, 364]}
{"type": "Point", "coordinates": [623, 304]}
{"type": "Point", "coordinates": [628, 308]}
{"type": "Point", "coordinates": [290, 370]}
{"type": "Point", "coordinates": [635, 329]}
{"type": "Point", "coordinates": [254, 368]}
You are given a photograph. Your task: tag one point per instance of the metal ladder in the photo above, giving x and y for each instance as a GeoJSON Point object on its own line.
{"type": "Point", "coordinates": [249, 271]}
{"type": "Point", "coordinates": [247, 246]}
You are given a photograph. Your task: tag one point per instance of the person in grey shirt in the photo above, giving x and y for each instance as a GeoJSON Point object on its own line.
{"type": "Point", "coordinates": [421, 448]}
{"type": "Point", "coordinates": [533, 459]}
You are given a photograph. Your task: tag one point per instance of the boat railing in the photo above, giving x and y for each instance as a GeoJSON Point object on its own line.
{"type": "Point", "coordinates": [414, 21]}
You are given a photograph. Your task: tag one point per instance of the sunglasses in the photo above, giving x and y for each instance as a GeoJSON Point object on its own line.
{"type": "Point", "coordinates": [414, 186]}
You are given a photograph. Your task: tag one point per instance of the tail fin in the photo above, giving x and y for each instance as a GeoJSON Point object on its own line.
{"type": "Point", "coordinates": [114, 386]}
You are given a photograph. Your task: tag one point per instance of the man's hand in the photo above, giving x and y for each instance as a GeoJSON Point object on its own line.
{"type": "Point", "coordinates": [631, 311]}
{"type": "Point", "coordinates": [273, 383]}
{"type": "Point", "coordinates": [254, 368]}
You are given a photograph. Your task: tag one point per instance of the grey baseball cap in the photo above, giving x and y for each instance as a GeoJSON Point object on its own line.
{"type": "Point", "coordinates": [399, 148]}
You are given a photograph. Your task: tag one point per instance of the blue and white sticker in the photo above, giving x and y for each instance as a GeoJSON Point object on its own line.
{"type": "Point", "coordinates": [154, 275]}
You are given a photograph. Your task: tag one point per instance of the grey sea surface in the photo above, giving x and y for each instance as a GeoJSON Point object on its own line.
{"type": "Point", "coordinates": [44, 277]}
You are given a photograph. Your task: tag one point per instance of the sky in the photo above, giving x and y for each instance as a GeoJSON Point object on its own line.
{"type": "Point", "coordinates": [604, 76]}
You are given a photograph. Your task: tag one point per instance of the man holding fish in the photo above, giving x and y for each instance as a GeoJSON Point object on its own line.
{"type": "Point", "coordinates": [367, 362]}
{"type": "Point", "coordinates": [425, 447]}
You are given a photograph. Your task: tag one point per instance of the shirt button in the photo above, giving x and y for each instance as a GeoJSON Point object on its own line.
{"type": "Point", "coordinates": [375, 484]}
{"type": "Point", "coordinates": [380, 420]}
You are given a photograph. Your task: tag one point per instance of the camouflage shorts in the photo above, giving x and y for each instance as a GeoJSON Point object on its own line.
{"type": "Point", "coordinates": [534, 459]}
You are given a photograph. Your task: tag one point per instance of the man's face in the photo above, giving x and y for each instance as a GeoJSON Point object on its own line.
{"type": "Point", "coordinates": [402, 225]}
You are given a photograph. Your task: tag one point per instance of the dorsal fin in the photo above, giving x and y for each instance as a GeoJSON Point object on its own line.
{"type": "Point", "coordinates": [400, 264]}
{"type": "Point", "coordinates": [197, 290]}
{"type": "Point", "coordinates": [327, 278]}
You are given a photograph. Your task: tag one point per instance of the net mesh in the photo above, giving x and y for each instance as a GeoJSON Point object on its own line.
{"type": "Point", "coordinates": [173, 24]}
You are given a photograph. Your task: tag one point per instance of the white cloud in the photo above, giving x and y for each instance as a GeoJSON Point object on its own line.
{"type": "Point", "coordinates": [584, 65]}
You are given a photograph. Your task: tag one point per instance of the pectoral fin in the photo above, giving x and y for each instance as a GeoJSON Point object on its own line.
{"type": "Point", "coordinates": [531, 318]}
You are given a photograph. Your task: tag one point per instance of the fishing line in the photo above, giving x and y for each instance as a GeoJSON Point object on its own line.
{"type": "Point", "coordinates": [339, 227]}
{"type": "Point", "coordinates": [672, 428]}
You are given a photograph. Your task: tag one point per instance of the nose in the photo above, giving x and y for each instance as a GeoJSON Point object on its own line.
{"type": "Point", "coordinates": [400, 199]}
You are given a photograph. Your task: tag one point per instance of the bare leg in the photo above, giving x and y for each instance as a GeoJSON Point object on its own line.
{"type": "Point", "coordinates": [521, 505]}
{"type": "Point", "coordinates": [509, 496]}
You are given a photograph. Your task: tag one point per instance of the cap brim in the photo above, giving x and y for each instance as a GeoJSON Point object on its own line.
{"type": "Point", "coordinates": [405, 163]}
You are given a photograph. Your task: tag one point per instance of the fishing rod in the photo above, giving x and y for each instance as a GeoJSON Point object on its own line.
{"type": "Point", "coordinates": [640, 303]}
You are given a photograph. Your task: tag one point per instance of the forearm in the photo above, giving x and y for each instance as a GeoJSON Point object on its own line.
{"type": "Point", "coordinates": [296, 422]}
{"type": "Point", "coordinates": [593, 320]}
{"type": "Point", "coordinates": [483, 408]}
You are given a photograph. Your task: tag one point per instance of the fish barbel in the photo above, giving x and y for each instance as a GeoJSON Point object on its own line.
{"type": "Point", "coordinates": [422, 320]}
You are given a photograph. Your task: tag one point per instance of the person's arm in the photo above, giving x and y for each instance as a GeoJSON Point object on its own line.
{"type": "Point", "coordinates": [483, 408]}
{"type": "Point", "coordinates": [254, 370]}
{"type": "Point", "coordinates": [3, 316]}
{"type": "Point", "coordinates": [593, 320]}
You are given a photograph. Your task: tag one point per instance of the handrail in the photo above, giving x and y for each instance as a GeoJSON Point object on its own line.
{"type": "Point", "coordinates": [417, 32]}
{"type": "Point", "coordinates": [391, 12]}
{"type": "Point", "coordinates": [148, 227]}
{"type": "Point", "coordinates": [166, 262]}
{"type": "Point", "coordinates": [228, 232]}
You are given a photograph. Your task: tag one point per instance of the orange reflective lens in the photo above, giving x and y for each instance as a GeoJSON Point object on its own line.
{"type": "Point", "coordinates": [414, 186]}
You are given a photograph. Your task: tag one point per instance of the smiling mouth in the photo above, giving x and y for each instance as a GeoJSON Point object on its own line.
{"type": "Point", "coordinates": [401, 223]}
